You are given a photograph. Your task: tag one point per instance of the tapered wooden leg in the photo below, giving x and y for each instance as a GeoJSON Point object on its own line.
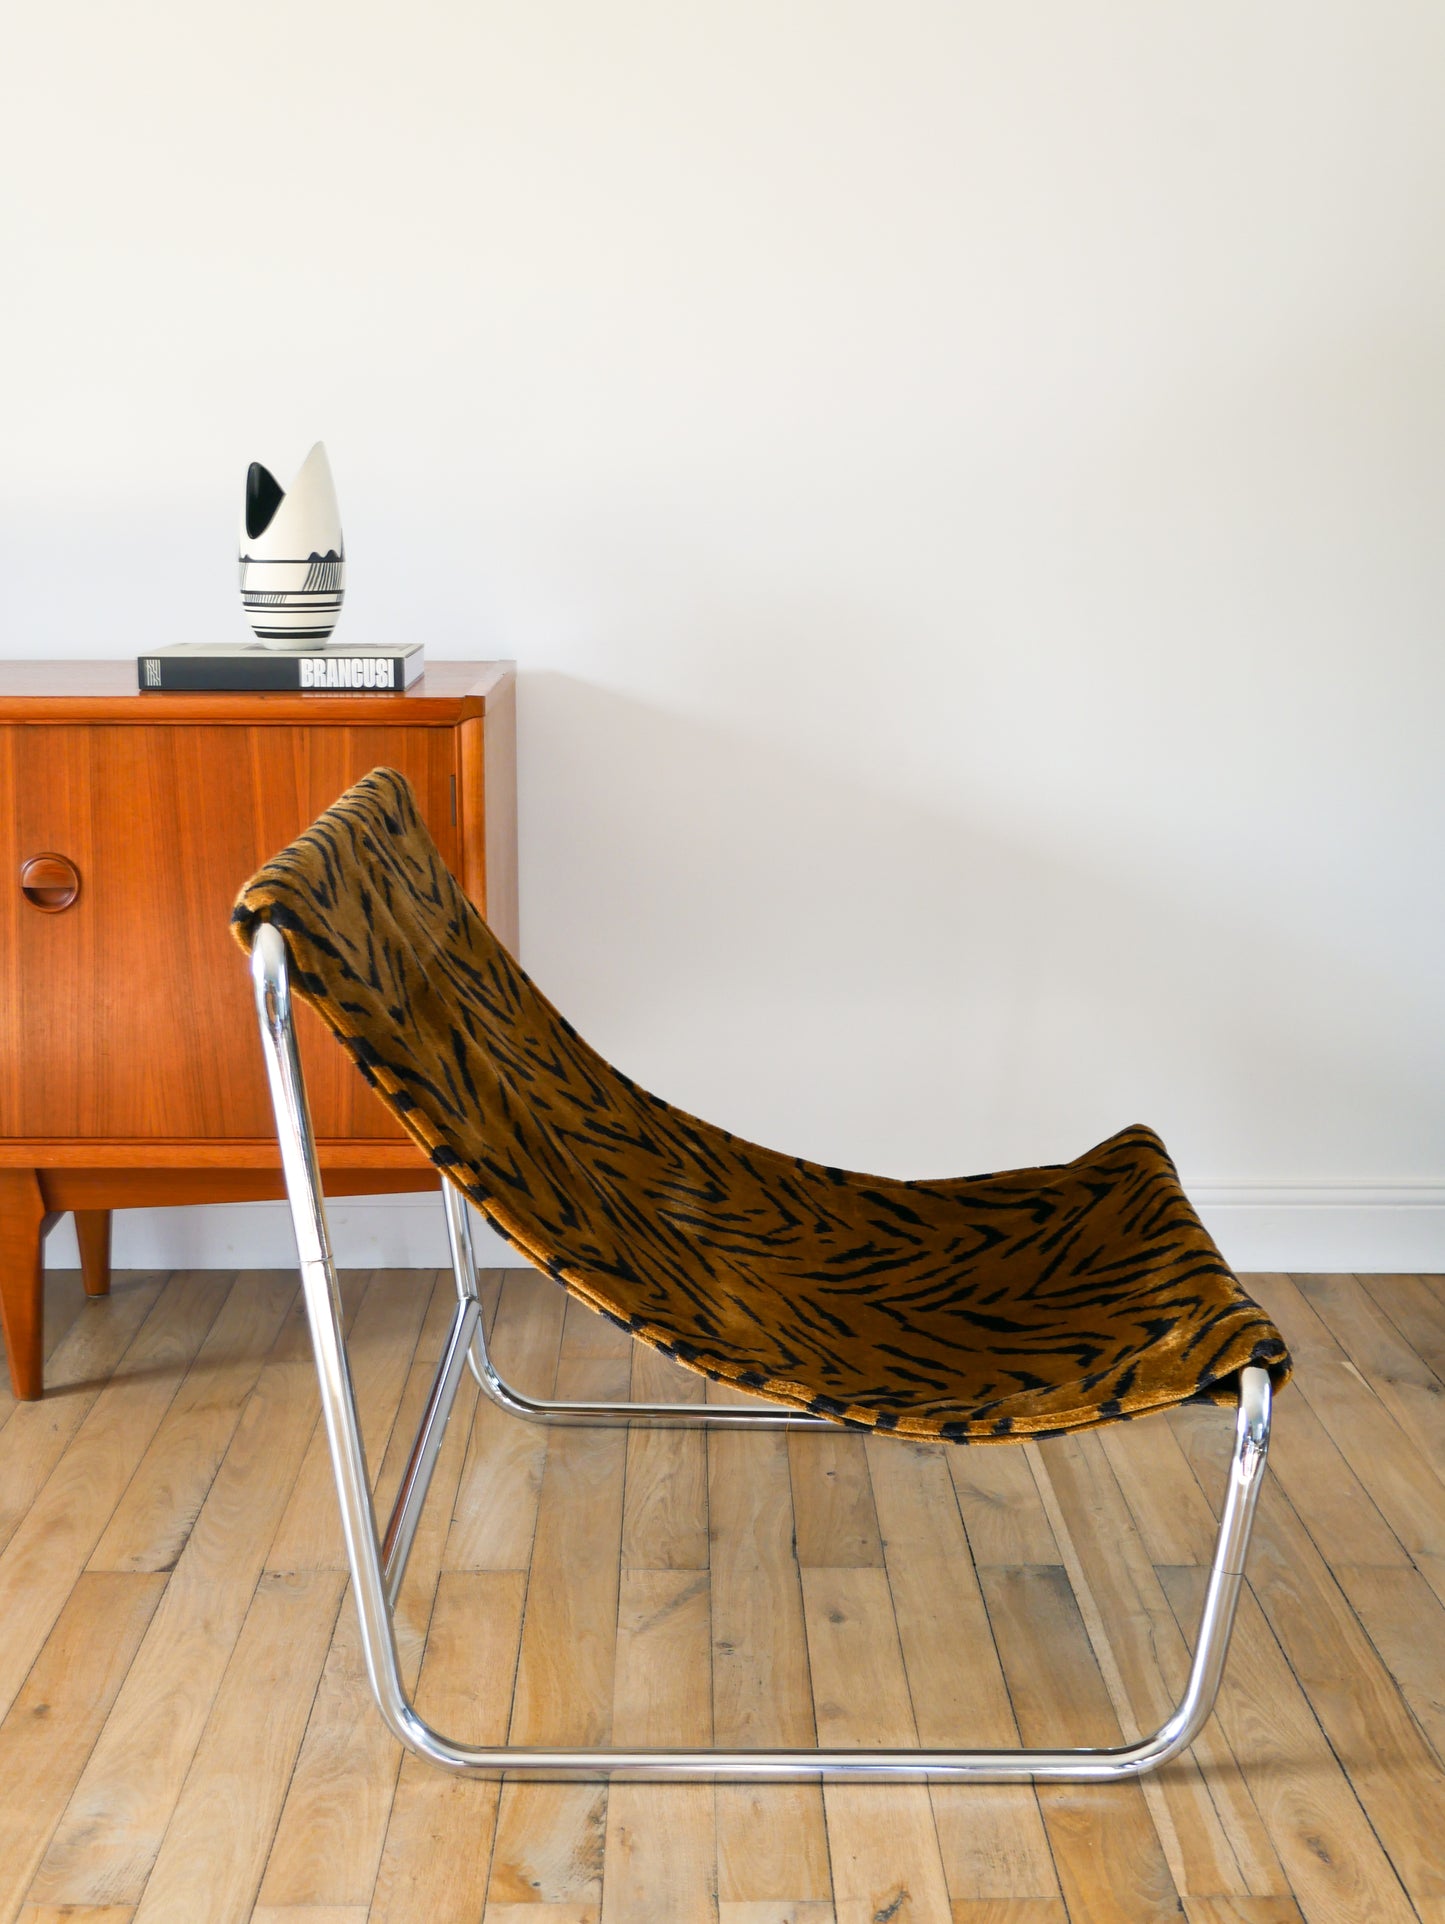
{"type": "Point", "coordinates": [23, 1223]}
{"type": "Point", "coordinates": [92, 1232]}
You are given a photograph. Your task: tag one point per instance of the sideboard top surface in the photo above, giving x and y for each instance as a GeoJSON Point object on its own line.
{"type": "Point", "coordinates": [71, 691]}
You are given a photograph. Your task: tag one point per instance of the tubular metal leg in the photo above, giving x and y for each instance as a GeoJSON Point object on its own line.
{"type": "Point", "coordinates": [416, 1478]}
{"type": "Point", "coordinates": [375, 1575]}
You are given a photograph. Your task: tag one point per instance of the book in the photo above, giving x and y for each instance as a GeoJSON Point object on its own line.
{"type": "Point", "coordinates": [247, 668]}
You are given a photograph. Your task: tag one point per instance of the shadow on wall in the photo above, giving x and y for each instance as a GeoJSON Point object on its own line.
{"type": "Point", "coordinates": [825, 968]}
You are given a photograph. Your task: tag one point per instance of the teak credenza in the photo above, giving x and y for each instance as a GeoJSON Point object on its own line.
{"type": "Point", "coordinates": [131, 1072]}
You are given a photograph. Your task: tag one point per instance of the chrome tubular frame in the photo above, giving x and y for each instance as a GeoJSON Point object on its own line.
{"type": "Point", "coordinates": [378, 1559]}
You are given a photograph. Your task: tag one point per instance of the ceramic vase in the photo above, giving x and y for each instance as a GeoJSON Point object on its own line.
{"type": "Point", "coordinates": [293, 564]}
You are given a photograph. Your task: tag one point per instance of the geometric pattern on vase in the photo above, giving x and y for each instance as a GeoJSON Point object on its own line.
{"type": "Point", "coordinates": [292, 559]}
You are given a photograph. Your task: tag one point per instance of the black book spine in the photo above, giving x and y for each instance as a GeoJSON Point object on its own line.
{"type": "Point", "coordinates": [274, 673]}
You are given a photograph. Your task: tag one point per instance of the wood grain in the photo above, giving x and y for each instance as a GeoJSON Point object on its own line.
{"type": "Point", "coordinates": [771, 1839]}
{"type": "Point", "coordinates": [661, 1840]}
{"type": "Point", "coordinates": [308, 1914]}
{"type": "Point", "coordinates": [64, 1296]}
{"type": "Point", "coordinates": [139, 1039]}
{"type": "Point", "coordinates": [333, 1820]}
{"type": "Point", "coordinates": [1111, 1865]}
{"type": "Point", "coordinates": [1242, 1910]}
{"type": "Point", "coordinates": [1351, 1693]}
{"type": "Point", "coordinates": [487, 748]}
{"type": "Point", "coordinates": [155, 1516]}
{"type": "Point", "coordinates": [1170, 1512]}
{"type": "Point", "coordinates": [1403, 1486]}
{"type": "Point", "coordinates": [76, 1914]}
{"type": "Point", "coordinates": [37, 1433]}
{"type": "Point", "coordinates": [1405, 1383]}
{"type": "Point", "coordinates": [570, 1913]}
{"type": "Point", "coordinates": [1412, 1304]}
{"type": "Point", "coordinates": [211, 1860]}
{"type": "Point", "coordinates": [238, 1769]}
{"type": "Point", "coordinates": [1153, 1501]}
{"type": "Point", "coordinates": [551, 1837]}
{"type": "Point", "coordinates": [832, 1500]}
{"type": "Point", "coordinates": [92, 1233]}
{"type": "Point", "coordinates": [58, 1714]}
{"type": "Point", "coordinates": [329, 1840]}
{"type": "Point", "coordinates": [1327, 1495]}
{"type": "Point", "coordinates": [113, 1828]}
{"type": "Point", "coordinates": [496, 1511]}
{"type": "Point", "coordinates": [54, 1539]}
{"type": "Point", "coordinates": [991, 1836]}
{"type": "Point", "coordinates": [499, 725]}
{"type": "Point", "coordinates": [882, 1844]}
{"type": "Point", "coordinates": [775, 1911]}
{"type": "Point", "coordinates": [74, 1167]}
{"type": "Point", "coordinates": [24, 1220]}
{"type": "Point", "coordinates": [388, 1324]}
{"type": "Point", "coordinates": [1000, 1506]}
{"type": "Point", "coordinates": [138, 1015]}
{"type": "Point", "coordinates": [439, 1840]}
{"type": "Point", "coordinates": [1337, 1869]}
{"type": "Point", "coordinates": [1404, 1620]}
{"type": "Point", "coordinates": [1142, 1657]}
{"type": "Point", "coordinates": [665, 1522]}
{"type": "Point", "coordinates": [1010, 1910]}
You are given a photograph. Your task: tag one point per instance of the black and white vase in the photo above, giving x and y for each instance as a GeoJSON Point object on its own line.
{"type": "Point", "coordinates": [293, 564]}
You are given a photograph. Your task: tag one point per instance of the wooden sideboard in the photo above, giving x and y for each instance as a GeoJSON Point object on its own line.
{"type": "Point", "coordinates": [130, 1071]}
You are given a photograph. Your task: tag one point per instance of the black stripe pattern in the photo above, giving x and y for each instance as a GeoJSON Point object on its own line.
{"type": "Point", "coordinates": [983, 1309]}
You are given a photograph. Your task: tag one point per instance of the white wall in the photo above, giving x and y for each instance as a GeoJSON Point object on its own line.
{"type": "Point", "coordinates": [963, 483]}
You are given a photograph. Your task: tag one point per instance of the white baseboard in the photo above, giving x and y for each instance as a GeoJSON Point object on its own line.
{"type": "Point", "coordinates": [1259, 1226]}
{"type": "Point", "coordinates": [1374, 1228]}
{"type": "Point", "coordinates": [367, 1232]}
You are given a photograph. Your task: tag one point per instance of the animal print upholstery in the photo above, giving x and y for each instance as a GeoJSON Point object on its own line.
{"type": "Point", "coordinates": [977, 1309]}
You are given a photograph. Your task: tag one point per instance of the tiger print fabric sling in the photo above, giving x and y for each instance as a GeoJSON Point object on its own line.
{"type": "Point", "coordinates": [979, 1309]}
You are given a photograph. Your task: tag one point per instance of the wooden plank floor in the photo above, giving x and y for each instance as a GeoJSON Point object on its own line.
{"type": "Point", "coordinates": [186, 1735]}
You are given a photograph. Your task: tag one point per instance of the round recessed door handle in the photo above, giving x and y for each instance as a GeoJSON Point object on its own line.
{"type": "Point", "coordinates": [49, 883]}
